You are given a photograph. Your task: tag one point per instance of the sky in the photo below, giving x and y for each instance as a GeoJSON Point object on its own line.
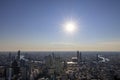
{"type": "Point", "coordinates": [38, 25]}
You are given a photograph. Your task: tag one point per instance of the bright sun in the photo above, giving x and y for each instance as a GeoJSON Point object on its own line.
{"type": "Point", "coordinates": [70, 27]}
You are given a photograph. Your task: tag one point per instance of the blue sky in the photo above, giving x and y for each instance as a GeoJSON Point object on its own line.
{"type": "Point", "coordinates": [37, 25]}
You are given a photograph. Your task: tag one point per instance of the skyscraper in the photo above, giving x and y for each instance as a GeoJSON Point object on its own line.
{"type": "Point", "coordinates": [18, 55]}
{"type": "Point", "coordinates": [79, 58]}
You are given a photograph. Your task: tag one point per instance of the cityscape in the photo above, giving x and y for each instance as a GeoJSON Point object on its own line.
{"type": "Point", "coordinates": [59, 39]}
{"type": "Point", "coordinates": [59, 65]}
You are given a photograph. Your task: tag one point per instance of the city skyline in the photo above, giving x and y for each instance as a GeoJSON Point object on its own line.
{"type": "Point", "coordinates": [39, 25]}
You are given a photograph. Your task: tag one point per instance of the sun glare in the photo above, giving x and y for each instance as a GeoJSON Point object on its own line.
{"type": "Point", "coordinates": [70, 27]}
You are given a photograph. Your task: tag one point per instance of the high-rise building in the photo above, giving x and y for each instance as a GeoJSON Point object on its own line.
{"type": "Point", "coordinates": [79, 58]}
{"type": "Point", "coordinates": [18, 55]}
{"type": "Point", "coordinates": [97, 58]}
{"type": "Point", "coordinates": [9, 57]}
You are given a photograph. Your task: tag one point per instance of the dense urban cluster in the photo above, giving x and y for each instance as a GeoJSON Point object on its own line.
{"type": "Point", "coordinates": [52, 66]}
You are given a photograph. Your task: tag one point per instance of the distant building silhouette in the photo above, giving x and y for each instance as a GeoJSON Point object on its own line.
{"type": "Point", "coordinates": [18, 55]}
{"type": "Point", "coordinates": [79, 57]}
